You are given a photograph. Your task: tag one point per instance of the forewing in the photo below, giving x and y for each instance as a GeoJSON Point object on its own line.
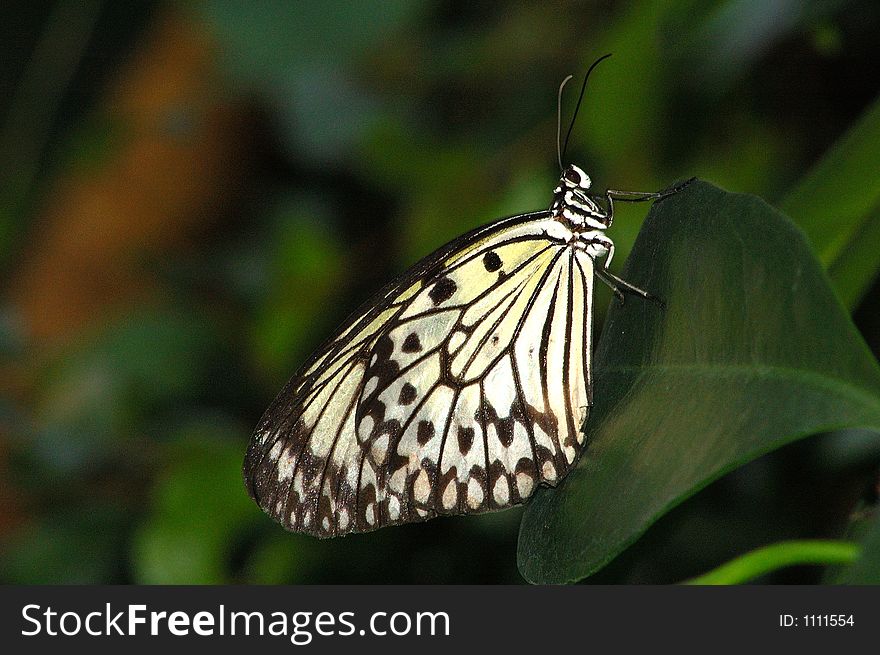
{"type": "Point", "coordinates": [458, 389]}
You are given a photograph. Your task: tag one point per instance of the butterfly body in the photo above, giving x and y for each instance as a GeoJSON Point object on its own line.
{"type": "Point", "coordinates": [459, 388]}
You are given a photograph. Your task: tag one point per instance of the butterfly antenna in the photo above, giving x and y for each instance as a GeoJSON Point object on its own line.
{"type": "Point", "coordinates": [577, 107]}
{"type": "Point", "coordinates": [559, 122]}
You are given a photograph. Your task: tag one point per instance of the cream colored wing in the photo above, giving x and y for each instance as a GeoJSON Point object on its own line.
{"type": "Point", "coordinates": [459, 388]}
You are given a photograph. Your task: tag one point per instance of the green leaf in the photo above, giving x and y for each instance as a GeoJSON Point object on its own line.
{"type": "Point", "coordinates": [776, 556]}
{"type": "Point", "coordinates": [838, 206]}
{"type": "Point", "coordinates": [752, 351]}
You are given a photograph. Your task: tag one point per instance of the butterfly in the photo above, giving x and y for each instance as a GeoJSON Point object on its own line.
{"type": "Point", "coordinates": [459, 388]}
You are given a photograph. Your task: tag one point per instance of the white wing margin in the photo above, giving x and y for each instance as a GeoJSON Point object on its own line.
{"type": "Point", "coordinates": [458, 389]}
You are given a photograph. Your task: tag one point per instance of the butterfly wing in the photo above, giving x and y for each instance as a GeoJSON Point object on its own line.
{"type": "Point", "coordinates": [459, 388]}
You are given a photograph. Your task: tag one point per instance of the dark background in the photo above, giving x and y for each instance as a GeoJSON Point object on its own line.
{"type": "Point", "coordinates": [193, 195]}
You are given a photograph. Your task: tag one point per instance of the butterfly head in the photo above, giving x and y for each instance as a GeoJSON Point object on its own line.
{"type": "Point", "coordinates": [575, 178]}
{"type": "Point", "coordinates": [573, 205]}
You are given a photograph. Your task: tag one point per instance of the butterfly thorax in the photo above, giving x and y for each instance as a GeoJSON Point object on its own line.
{"type": "Point", "coordinates": [572, 204]}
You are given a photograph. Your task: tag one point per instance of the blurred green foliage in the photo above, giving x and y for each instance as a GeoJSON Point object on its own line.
{"type": "Point", "coordinates": [374, 132]}
{"type": "Point", "coordinates": [845, 238]}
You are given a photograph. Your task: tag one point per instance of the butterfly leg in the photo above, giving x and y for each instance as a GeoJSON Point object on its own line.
{"type": "Point", "coordinates": [614, 288]}
{"type": "Point", "coordinates": [640, 196]}
{"type": "Point", "coordinates": [606, 214]}
{"type": "Point", "coordinates": [621, 287]}
{"type": "Point", "coordinates": [617, 285]}
{"type": "Point", "coordinates": [605, 243]}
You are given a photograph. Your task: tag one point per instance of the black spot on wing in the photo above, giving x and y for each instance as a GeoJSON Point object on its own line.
{"type": "Point", "coordinates": [411, 344]}
{"type": "Point", "coordinates": [407, 394]}
{"type": "Point", "coordinates": [465, 439]}
{"type": "Point", "coordinates": [424, 432]}
{"type": "Point", "coordinates": [442, 290]}
{"type": "Point", "coordinates": [492, 261]}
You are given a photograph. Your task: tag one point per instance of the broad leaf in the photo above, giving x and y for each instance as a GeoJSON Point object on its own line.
{"type": "Point", "coordinates": [752, 351]}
